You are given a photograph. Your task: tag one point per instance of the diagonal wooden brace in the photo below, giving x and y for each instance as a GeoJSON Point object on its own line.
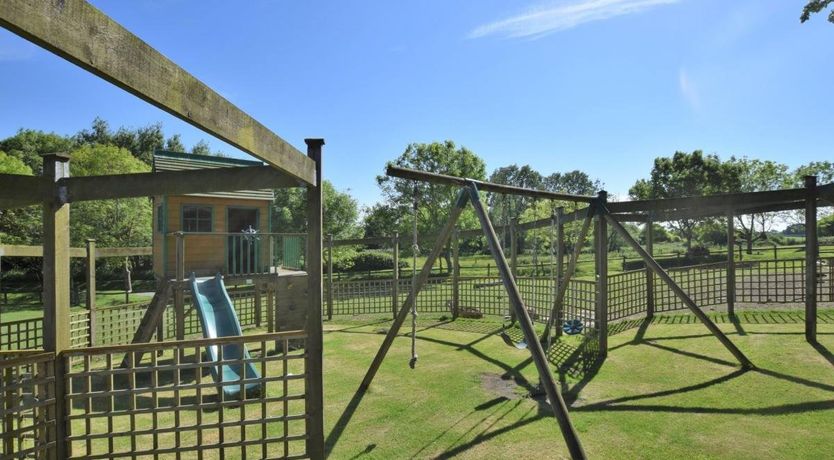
{"type": "Point", "coordinates": [560, 409]}
{"type": "Point", "coordinates": [652, 264]}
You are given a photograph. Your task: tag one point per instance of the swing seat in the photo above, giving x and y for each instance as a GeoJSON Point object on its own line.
{"type": "Point", "coordinates": [572, 327]}
{"type": "Point", "coordinates": [522, 345]}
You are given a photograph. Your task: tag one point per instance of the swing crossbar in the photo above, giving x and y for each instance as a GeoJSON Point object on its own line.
{"type": "Point", "coordinates": [435, 178]}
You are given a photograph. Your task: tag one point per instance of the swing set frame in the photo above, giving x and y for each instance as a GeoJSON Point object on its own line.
{"type": "Point", "coordinates": [601, 214]}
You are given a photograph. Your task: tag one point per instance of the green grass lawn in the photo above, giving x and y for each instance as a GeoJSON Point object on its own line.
{"type": "Point", "coordinates": [667, 390]}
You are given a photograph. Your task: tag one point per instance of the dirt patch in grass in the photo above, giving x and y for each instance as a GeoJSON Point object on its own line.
{"type": "Point", "coordinates": [506, 386]}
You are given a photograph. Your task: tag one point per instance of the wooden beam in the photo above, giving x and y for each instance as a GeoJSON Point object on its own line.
{"type": "Point", "coordinates": [649, 235]}
{"type": "Point", "coordinates": [174, 183]}
{"type": "Point", "coordinates": [601, 272]}
{"type": "Point", "coordinates": [725, 202]}
{"type": "Point", "coordinates": [731, 265]}
{"type": "Point", "coordinates": [379, 240]}
{"type": "Point", "coordinates": [423, 176]}
{"type": "Point", "coordinates": [715, 211]}
{"type": "Point", "coordinates": [56, 295]}
{"type": "Point", "coordinates": [91, 293]}
{"type": "Point", "coordinates": [153, 317]}
{"type": "Point", "coordinates": [88, 38]}
{"type": "Point", "coordinates": [123, 252]}
{"type": "Point", "coordinates": [811, 256]}
{"type": "Point", "coordinates": [314, 349]}
{"type": "Point", "coordinates": [554, 396]}
{"type": "Point", "coordinates": [556, 312]}
{"type": "Point", "coordinates": [652, 264]}
{"type": "Point", "coordinates": [20, 191]}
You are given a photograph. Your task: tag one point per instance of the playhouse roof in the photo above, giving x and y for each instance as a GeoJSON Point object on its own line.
{"type": "Point", "coordinates": [164, 160]}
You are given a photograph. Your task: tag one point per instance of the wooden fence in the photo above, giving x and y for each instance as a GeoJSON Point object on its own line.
{"type": "Point", "coordinates": [163, 407]}
{"type": "Point", "coordinates": [756, 282]}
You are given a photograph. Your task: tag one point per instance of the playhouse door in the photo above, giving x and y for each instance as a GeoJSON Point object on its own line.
{"type": "Point", "coordinates": [243, 242]}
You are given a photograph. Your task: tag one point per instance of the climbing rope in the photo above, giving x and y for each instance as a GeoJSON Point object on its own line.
{"type": "Point", "coordinates": [415, 249]}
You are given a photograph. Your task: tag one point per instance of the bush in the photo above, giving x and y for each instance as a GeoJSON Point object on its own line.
{"type": "Point", "coordinates": [697, 252]}
{"type": "Point", "coordinates": [353, 261]}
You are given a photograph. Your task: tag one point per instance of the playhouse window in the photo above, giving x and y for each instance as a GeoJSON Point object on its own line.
{"type": "Point", "coordinates": [196, 218]}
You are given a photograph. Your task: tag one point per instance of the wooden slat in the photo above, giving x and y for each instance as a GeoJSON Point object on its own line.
{"type": "Point", "coordinates": [11, 250]}
{"type": "Point", "coordinates": [83, 35]}
{"type": "Point", "coordinates": [174, 183]}
{"type": "Point", "coordinates": [124, 252]}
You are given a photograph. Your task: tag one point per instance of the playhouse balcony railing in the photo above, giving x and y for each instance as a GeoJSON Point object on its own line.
{"type": "Point", "coordinates": [241, 253]}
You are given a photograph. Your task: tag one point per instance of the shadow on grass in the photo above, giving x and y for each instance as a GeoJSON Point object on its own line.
{"type": "Point", "coordinates": [825, 352]}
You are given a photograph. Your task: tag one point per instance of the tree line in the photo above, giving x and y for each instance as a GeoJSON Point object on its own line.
{"type": "Point", "coordinates": [127, 222]}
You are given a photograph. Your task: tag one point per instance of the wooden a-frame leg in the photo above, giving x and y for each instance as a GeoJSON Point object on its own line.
{"type": "Point", "coordinates": [560, 409]}
{"type": "Point", "coordinates": [652, 264]}
{"type": "Point", "coordinates": [421, 280]}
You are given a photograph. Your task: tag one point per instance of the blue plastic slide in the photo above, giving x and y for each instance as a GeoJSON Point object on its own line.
{"type": "Point", "coordinates": [218, 318]}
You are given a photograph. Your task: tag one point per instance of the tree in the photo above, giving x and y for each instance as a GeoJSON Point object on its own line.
{"type": "Point", "coordinates": [574, 182]}
{"type": "Point", "coordinates": [117, 223]}
{"type": "Point", "coordinates": [825, 226]}
{"type": "Point", "coordinates": [140, 142]}
{"type": "Point", "coordinates": [756, 176]}
{"type": "Point", "coordinates": [815, 6]}
{"type": "Point", "coordinates": [504, 207]}
{"type": "Point", "coordinates": [381, 220]}
{"type": "Point", "coordinates": [28, 145]}
{"type": "Point", "coordinates": [434, 200]}
{"type": "Point", "coordinates": [684, 175]}
{"type": "Point", "coordinates": [341, 211]}
{"type": "Point", "coordinates": [22, 225]}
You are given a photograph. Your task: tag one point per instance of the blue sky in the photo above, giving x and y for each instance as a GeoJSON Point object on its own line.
{"type": "Point", "coordinates": [603, 86]}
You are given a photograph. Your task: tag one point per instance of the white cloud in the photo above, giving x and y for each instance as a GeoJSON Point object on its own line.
{"type": "Point", "coordinates": [688, 89]}
{"type": "Point", "coordinates": [545, 19]}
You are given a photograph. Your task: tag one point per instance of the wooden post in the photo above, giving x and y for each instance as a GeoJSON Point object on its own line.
{"type": "Point", "coordinates": [601, 256]}
{"type": "Point", "coordinates": [559, 306]}
{"type": "Point", "coordinates": [258, 303]}
{"type": "Point", "coordinates": [513, 259]}
{"type": "Point", "coordinates": [91, 293]}
{"type": "Point", "coordinates": [455, 273]}
{"type": "Point", "coordinates": [557, 403]}
{"type": "Point", "coordinates": [563, 286]}
{"type": "Point", "coordinates": [693, 307]}
{"type": "Point", "coordinates": [330, 276]}
{"type": "Point", "coordinates": [650, 304]}
{"type": "Point", "coordinates": [270, 303]}
{"type": "Point", "coordinates": [811, 251]}
{"type": "Point", "coordinates": [513, 247]}
{"type": "Point", "coordinates": [314, 400]}
{"type": "Point", "coordinates": [422, 277]}
{"type": "Point", "coordinates": [56, 294]}
{"type": "Point", "coordinates": [395, 280]}
{"type": "Point", "coordinates": [731, 265]}
{"type": "Point", "coordinates": [128, 280]}
{"type": "Point", "coordinates": [179, 296]}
